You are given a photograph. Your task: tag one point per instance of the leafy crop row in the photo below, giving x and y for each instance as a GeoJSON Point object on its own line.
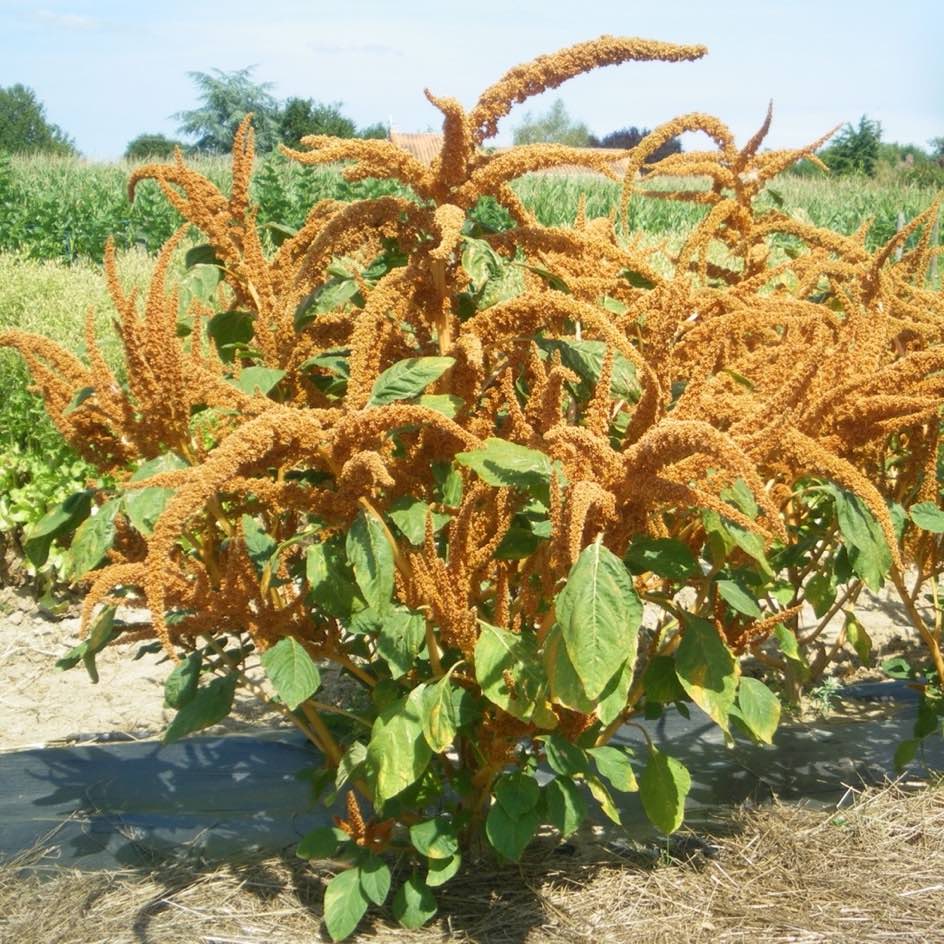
{"type": "Point", "coordinates": [519, 486]}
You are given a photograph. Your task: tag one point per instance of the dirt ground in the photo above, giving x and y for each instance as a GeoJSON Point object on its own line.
{"type": "Point", "coordinates": [41, 705]}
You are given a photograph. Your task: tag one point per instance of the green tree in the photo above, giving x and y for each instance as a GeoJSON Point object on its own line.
{"type": "Point", "coordinates": [24, 128]}
{"type": "Point", "coordinates": [302, 116]}
{"type": "Point", "coordinates": [937, 148]}
{"type": "Point", "coordinates": [227, 98]}
{"type": "Point", "coordinates": [629, 137]}
{"type": "Point", "coordinates": [151, 145]}
{"type": "Point", "coordinates": [555, 126]}
{"type": "Point", "coordinates": [856, 149]}
{"type": "Point", "coordinates": [377, 130]}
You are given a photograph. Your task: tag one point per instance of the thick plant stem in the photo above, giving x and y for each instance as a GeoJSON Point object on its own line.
{"type": "Point", "coordinates": [927, 637]}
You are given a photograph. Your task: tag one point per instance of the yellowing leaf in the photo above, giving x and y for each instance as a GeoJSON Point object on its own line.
{"type": "Point", "coordinates": [707, 669]}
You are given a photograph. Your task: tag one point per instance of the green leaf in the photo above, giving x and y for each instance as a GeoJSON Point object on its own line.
{"type": "Point", "coordinates": [499, 652]}
{"type": "Point", "coordinates": [665, 557]}
{"type": "Point", "coordinates": [260, 545]}
{"type": "Point", "coordinates": [661, 681]}
{"type": "Point", "coordinates": [928, 517]}
{"type": "Point", "coordinates": [414, 903]}
{"type": "Point", "coordinates": [563, 757]}
{"type": "Point", "coordinates": [210, 705]}
{"type": "Point", "coordinates": [442, 705]}
{"type": "Point", "coordinates": [564, 685]}
{"type": "Point", "coordinates": [370, 554]}
{"type": "Point", "coordinates": [599, 615]}
{"type": "Point", "coordinates": [479, 261]}
{"type": "Point", "coordinates": [760, 709]}
{"type": "Point", "coordinates": [66, 517]}
{"type": "Point", "coordinates": [502, 463]}
{"type": "Point", "coordinates": [858, 637]}
{"type": "Point", "coordinates": [166, 462]}
{"type": "Point", "coordinates": [510, 834]}
{"type": "Point", "coordinates": [409, 515]}
{"type": "Point", "coordinates": [637, 279]}
{"type": "Point", "coordinates": [566, 807]}
{"type": "Point", "coordinates": [321, 843]}
{"type": "Point", "coordinates": [444, 403]}
{"type": "Point", "coordinates": [864, 540]}
{"type": "Point", "coordinates": [787, 641]}
{"type": "Point", "coordinates": [78, 398]}
{"type": "Point", "coordinates": [518, 793]}
{"type": "Point", "coordinates": [663, 786]}
{"type": "Point", "coordinates": [181, 684]}
{"type": "Point", "coordinates": [602, 796]}
{"type": "Point", "coordinates": [103, 631]}
{"type": "Point", "coordinates": [441, 870]}
{"type": "Point", "coordinates": [402, 633]}
{"type": "Point", "coordinates": [397, 753]}
{"type": "Point", "coordinates": [351, 761]}
{"type": "Point", "coordinates": [291, 671]}
{"type": "Point", "coordinates": [905, 753]}
{"type": "Point", "coordinates": [435, 838]}
{"type": "Point", "coordinates": [144, 506]}
{"type": "Point", "coordinates": [585, 359]}
{"type": "Point", "coordinates": [820, 590]}
{"type": "Point", "coordinates": [344, 904]}
{"type": "Point", "coordinates": [375, 878]}
{"type": "Point", "coordinates": [330, 579]}
{"type": "Point", "coordinates": [408, 378]}
{"type": "Point", "coordinates": [738, 598]}
{"type": "Point", "coordinates": [204, 254]}
{"type": "Point", "coordinates": [707, 669]}
{"type": "Point", "coordinates": [613, 699]}
{"type": "Point", "coordinates": [258, 379]}
{"type": "Point", "coordinates": [229, 330]}
{"type": "Point", "coordinates": [614, 765]}
{"type": "Point", "coordinates": [92, 540]}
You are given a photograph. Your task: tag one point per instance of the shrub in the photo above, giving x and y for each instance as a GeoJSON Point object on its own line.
{"type": "Point", "coordinates": [151, 146]}
{"type": "Point", "coordinates": [456, 464]}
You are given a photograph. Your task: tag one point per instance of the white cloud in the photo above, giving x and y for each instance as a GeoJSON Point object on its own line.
{"type": "Point", "coordinates": [70, 21]}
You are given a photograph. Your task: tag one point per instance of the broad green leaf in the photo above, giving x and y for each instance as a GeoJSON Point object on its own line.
{"type": "Point", "coordinates": [441, 870]}
{"type": "Point", "coordinates": [637, 279]}
{"type": "Point", "coordinates": [442, 705]}
{"type": "Point", "coordinates": [409, 515]}
{"type": "Point", "coordinates": [510, 835]}
{"type": "Point", "coordinates": [661, 681]}
{"type": "Point", "coordinates": [375, 878]}
{"type": "Point", "coordinates": [397, 753]}
{"type": "Point", "coordinates": [210, 705]}
{"type": "Point", "coordinates": [166, 462]}
{"type": "Point", "coordinates": [103, 631]}
{"type": "Point", "coordinates": [479, 260]}
{"type": "Point", "coordinates": [787, 641]}
{"type": "Point", "coordinates": [330, 579]}
{"type": "Point", "coordinates": [566, 807]}
{"type": "Point", "coordinates": [435, 838]}
{"type": "Point", "coordinates": [734, 594]}
{"type": "Point", "coordinates": [518, 793]}
{"type": "Point", "coordinates": [500, 654]}
{"type": "Point", "coordinates": [868, 551]}
{"type": "Point", "coordinates": [229, 330]}
{"type": "Point", "coordinates": [751, 543]}
{"type": "Point", "coordinates": [78, 398]}
{"type": "Point", "coordinates": [563, 757]}
{"type": "Point", "coordinates": [257, 379]}
{"type": "Point", "coordinates": [820, 591]}
{"type": "Point", "coordinates": [585, 359]}
{"type": "Point", "coordinates": [370, 554]}
{"type": "Point", "coordinates": [66, 517]}
{"type": "Point", "coordinates": [858, 637]}
{"type": "Point", "coordinates": [760, 708]}
{"type": "Point", "coordinates": [145, 505]}
{"type": "Point", "coordinates": [663, 786]}
{"type": "Point", "coordinates": [599, 614]}
{"type": "Point", "coordinates": [564, 685]}
{"type": "Point", "coordinates": [740, 495]}
{"type": "Point", "coordinates": [665, 557]}
{"type": "Point", "coordinates": [905, 753]}
{"type": "Point", "coordinates": [351, 761]}
{"type": "Point", "coordinates": [261, 546]}
{"type": "Point", "coordinates": [707, 669]}
{"type": "Point", "coordinates": [181, 684]}
{"type": "Point", "coordinates": [602, 796]}
{"type": "Point", "coordinates": [321, 843]}
{"type": "Point", "coordinates": [928, 517]}
{"type": "Point", "coordinates": [614, 765]}
{"type": "Point", "coordinates": [204, 254]}
{"type": "Point", "coordinates": [414, 903]}
{"type": "Point", "coordinates": [502, 463]}
{"type": "Point", "coordinates": [92, 540]}
{"type": "Point", "coordinates": [344, 904]}
{"type": "Point", "coordinates": [401, 636]}
{"type": "Point", "coordinates": [408, 378]}
{"type": "Point", "coordinates": [291, 671]}
{"type": "Point", "coordinates": [445, 403]}
{"type": "Point", "coordinates": [613, 699]}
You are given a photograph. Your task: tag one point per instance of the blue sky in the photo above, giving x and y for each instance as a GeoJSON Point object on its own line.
{"type": "Point", "coordinates": [108, 70]}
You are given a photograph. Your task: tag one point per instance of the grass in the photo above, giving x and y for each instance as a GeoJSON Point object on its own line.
{"type": "Point", "coordinates": [868, 873]}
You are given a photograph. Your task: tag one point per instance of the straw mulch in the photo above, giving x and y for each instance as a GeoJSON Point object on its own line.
{"type": "Point", "coordinates": [872, 871]}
